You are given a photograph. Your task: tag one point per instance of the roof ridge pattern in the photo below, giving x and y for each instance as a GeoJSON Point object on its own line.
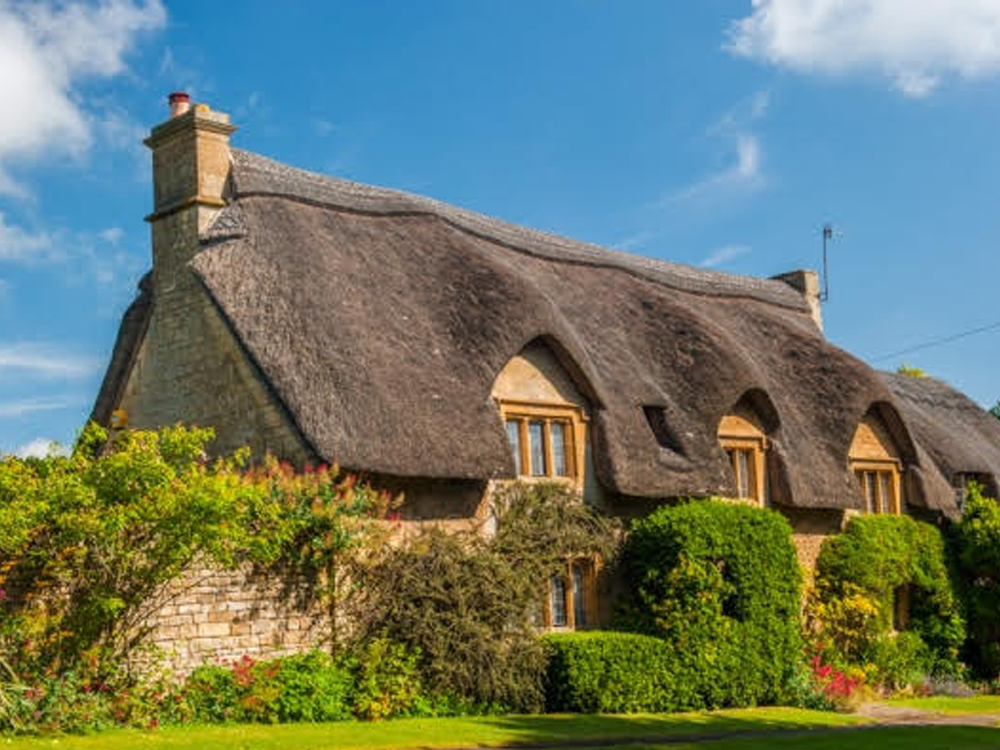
{"type": "Point", "coordinates": [254, 174]}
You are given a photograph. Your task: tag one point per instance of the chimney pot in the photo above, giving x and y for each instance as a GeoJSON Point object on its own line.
{"type": "Point", "coordinates": [180, 103]}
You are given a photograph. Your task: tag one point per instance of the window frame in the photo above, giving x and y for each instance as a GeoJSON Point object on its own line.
{"type": "Point", "coordinates": [880, 467]}
{"type": "Point", "coordinates": [591, 568]}
{"type": "Point", "coordinates": [574, 437]}
{"type": "Point", "coordinates": [757, 447]}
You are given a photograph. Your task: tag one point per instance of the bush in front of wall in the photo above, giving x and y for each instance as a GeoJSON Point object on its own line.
{"type": "Point", "coordinates": [303, 687]}
{"type": "Point", "coordinates": [860, 574]}
{"type": "Point", "coordinates": [719, 583]}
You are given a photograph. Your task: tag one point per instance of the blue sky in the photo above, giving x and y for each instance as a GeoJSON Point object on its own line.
{"type": "Point", "coordinates": [717, 133]}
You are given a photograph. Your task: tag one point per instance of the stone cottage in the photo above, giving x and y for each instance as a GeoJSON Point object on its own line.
{"type": "Point", "coordinates": [437, 350]}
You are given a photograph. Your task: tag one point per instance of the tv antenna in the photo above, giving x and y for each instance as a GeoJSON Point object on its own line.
{"type": "Point", "coordinates": [827, 238]}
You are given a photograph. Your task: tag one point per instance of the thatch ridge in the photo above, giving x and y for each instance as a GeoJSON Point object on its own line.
{"type": "Point", "coordinates": [256, 175]}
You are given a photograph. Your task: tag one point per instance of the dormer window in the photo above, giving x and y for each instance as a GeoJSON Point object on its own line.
{"type": "Point", "coordinates": [545, 440]}
{"type": "Point", "coordinates": [744, 442]}
{"type": "Point", "coordinates": [876, 464]}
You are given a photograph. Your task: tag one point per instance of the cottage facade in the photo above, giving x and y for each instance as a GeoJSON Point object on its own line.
{"type": "Point", "coordinates": [438, 351]}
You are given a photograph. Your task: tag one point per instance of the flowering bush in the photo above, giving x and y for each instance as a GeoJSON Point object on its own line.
{"type": "Point", "coordinates": [881, 569]}
{"type": "Point", "coordinates": [838, 686]}
{"type": "Point", "coordinates": [89, 544]}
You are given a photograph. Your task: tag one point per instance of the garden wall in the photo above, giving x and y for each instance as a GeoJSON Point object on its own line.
{"type": "Point", "coordinates": [212, 614]}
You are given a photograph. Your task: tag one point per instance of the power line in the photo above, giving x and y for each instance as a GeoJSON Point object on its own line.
{"type": "Point", "coordinates": [938, 342]}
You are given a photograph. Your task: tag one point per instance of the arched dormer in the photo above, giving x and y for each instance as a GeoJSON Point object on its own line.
{"type": "Point", "coordinates": [876, 457]}
{"type": "Point", "coordinates": [545, 414]}
{"type": "Point", "coordinates": [743, 436]}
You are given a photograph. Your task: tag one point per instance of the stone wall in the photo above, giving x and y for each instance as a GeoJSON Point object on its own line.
{"type": "Point", "coordinates": [214, 615]}
{"type": "Point", "coordinates": [810, 528]}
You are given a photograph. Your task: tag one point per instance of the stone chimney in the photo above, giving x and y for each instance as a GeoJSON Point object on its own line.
{"type": "Point", "coordinates": [191, 165]}
{"type": "Point", "coordinates": [806, 283]}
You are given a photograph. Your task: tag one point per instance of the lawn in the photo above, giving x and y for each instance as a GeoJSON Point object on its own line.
{"type": "Point", "coordinates": [448, 733]}
{"type": "Point", "coordinates": [976, 704]}
{"type": "Point", "coordinates": [896, 738]}
{"type": "Point", "coordinates": [810, 730]}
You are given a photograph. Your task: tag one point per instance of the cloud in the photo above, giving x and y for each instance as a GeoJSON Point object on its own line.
{"type": "Point", "coordinates": [18, 244]}
{"type": "Point", "coordinates": [41, 448]}
{"type": "Point", "coordinates": [744, 174]}
{"type": "Point", "coordinates": [915, 44]}
{"type": "Point", "coordinates": [634, 241]}
{"type": "Point", "coordinates": [46, 50]}
{"type": "Point", "coordinates": [89, 256]}
{"type": "Point", "coordinates": [45, 362]}
{"type": "Point", "coordinates": [724, 255]}
{"type": "Point", "coordinates": [21, 407]}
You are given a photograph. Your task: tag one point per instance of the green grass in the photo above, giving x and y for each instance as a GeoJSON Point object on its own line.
{"type": "Point", "coordinates": [446, 733]}
{"type": "Point", "coordinates": [895, 738]}
{"type": "Point", "coordinates": [977, 704]}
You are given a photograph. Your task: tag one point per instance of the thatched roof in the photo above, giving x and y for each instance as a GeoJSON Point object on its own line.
{"type": "Point", "coordinates": [381, 320]}
{"type": "Point", "coordinates": [959, 436]}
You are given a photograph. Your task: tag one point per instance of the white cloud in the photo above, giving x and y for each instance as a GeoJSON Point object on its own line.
{"type": "Point", "coordinates": [46, 50]}
{"type": "Point", "coordinates": [916, 44]}
{"type": "Point", "coordinates": [743, 152]}
{"type": "Point", "coordinates": [44, 361]}
{"type": "Point", "coordinates": [88, 256]}
{"type": "Point", "coordinates": [724, 255]}
{"type": "Point", "coordinates": [112, 235]}
{"type": "Point", "coordinates": [41, 448]}
{"type": "Point", "coordinates": [21, 407]}
{"type": "Point", "coordinates": [18, 244]}
{"type": "Point", "coordinates": [743, 174]}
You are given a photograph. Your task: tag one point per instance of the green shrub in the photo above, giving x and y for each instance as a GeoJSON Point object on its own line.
{"type": "Point", "coordinates": [977, 553]}
{"type": "Point", "coordinates": [719, 583]}
{"type": "Point", "coordinates": [212, 695]}
{"type": "Point", "coordinates": [859, 574]}
{"type": "Point", "coordinates": [900, 661]}
{"type": "Point", "coordinates": [607, 672]}
{"type": "Point", "coordinates": [303, 687]}
{"type": "Point", "coordinates": [466, 604]}
{"type": "Point", "coordinates": [386, 682]}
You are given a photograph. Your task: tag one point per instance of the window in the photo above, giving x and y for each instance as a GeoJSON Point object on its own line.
{"type": "Point", "coordinates": [546, 441]}
{"type": "Point", "coordinates": [877, 467]}
{"type": "Point", "coordinates": [572, 597]}
{"type": "Point", "coordinates": [746, 446]}
{"type": "Point", "coordinates": [901, 608]}
{"type": "Point", "coordinates": [878, 485]}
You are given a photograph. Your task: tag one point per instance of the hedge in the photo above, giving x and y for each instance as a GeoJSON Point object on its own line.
{"type": "Point", "coordinates": [719, 583]}
{"type": "Point", "coordinates": [608, 672]}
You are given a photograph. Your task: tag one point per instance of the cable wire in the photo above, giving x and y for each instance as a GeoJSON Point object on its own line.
{"type": "Point", "coordinates": [938, 342]}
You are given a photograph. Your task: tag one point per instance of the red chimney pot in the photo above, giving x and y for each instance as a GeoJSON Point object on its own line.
{"type": "Point", "coordinates": [180, 103]}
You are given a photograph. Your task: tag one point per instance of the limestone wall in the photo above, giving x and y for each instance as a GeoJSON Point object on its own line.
{"type": "Point", "coordinates": [221, 615]}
